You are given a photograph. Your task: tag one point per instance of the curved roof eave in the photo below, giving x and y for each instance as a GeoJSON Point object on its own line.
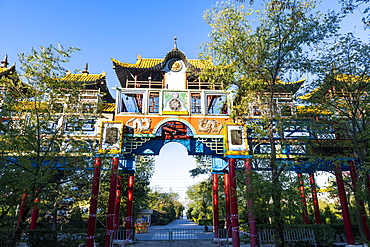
{"type": "Point", "coordinates": [158, 67]}
{"type": "Point", "coordinates": [6, 71]}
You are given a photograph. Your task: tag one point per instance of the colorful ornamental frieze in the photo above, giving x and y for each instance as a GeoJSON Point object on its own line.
{"type": "Point", "coordinates": [162, 100]}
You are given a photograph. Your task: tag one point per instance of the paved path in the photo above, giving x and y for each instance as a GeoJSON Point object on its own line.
{"type": "Point", "coordinates": [181, 224]}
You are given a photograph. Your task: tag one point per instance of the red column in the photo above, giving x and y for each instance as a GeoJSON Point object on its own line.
{"type": "Point", "coordinates": [227, 204]}
{"type": "Point", "coordinates": [216, 219]}
{"type": "Point", "coordinates": [111, 202]}
{"type": "Point", "coordinates": [35, 215]}
{"type": "Point", "coordinates": [251, 220]}
{"type": "Point", "coordinates": [315, 199]}
{"type": "Point", "coordinates": [22, 207]}
{"type": "Point", "coordinates": [118, 202]}
{"type": "Point", "coordinates": [90, 240]}
{"type": "Point", "coordinates": [303, 198]}
{"type": "Point", "coordinates": [344, 205]}
{"type": "Point", "coordinates": [361, 203]}
{"type": "Point", "coordinates": [234, 205]}
{"type": "Point", "coordinates": [130, 199]}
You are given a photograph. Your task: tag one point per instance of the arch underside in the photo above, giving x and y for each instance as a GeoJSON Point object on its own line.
{"type": "Point", "coordinates": [215, 147]}
{"type": "Point", "coordinates": [194, 146]}
{"type": "Point", "coordinates": [175, 130]}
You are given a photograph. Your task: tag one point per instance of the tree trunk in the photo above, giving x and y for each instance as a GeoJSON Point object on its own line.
{"type": "Point", "coordinates": [276, 207]}
{"type": "Point", "coordinates": [55, 215]}
{"type": "Point", "coordinates": [18, 232]}
{"type": "Point", "coordinates": [275, 174]}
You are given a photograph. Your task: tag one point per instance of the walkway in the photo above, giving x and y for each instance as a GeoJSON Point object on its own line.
{"type": "Point", "coordinates": [181, 224]}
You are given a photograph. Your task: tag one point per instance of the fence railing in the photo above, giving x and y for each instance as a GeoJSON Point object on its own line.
{"type": "Point", "coordinates": [267, 236]}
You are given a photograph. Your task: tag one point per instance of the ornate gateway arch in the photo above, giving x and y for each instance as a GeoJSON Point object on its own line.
{"type": "Point", "coordinates": [164, 100]}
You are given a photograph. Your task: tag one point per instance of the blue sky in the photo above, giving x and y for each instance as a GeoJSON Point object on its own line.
{"type": "Point", "coordinates": [103, 29]}
{"type": "Point", "coordinates": [122, 30]}
{"type": "Point", "coordinates": [118, 29]}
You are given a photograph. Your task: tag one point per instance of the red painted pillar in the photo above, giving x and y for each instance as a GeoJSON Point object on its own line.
{"type": "Point", "coordinates": [234, 205]}
{"type": "Point", "coordinates": [315, 199]}
{"type": "Point", "coordinates": [216, 218]}
{"type": "Point", "coordinates": [111, 202]}
{"type": "Point", "coordinates": [251, 220]}
{"type": "Point", "coordinates": [227, 204]}
{"type": "Point", "coordinates": [303, 198]}
{"type": "Point", "coordinates": [35, 215]}
{"type": "Point", "coordinates": [354, 177]}
{"type": "Point", "coordinates": [344, 205]}
{"type": "Point", "coordinates": [118, 202]}
{"type": "Point", "coordinates": [130, 200]}
{"type": "Point", "coordinates": [90, 239]}
{"type": "Point", "coordinates": [22, 207]}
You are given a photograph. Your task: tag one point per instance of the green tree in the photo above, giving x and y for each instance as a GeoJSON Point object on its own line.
{"type": "Point", "coordinates": [166, 203]}
{"type": "Point", "coordinates": [342, 87]}
{"type": "Point", "coordinates": [348, 6]}
{"type": "Point", "coordinates": [144, 171]}
{"type": "Point", "coordinates": [261, 54]}
{"type": "Point", "coordinates": [200, 196]}
{"type": "Point", "coordinates": [35, 147]}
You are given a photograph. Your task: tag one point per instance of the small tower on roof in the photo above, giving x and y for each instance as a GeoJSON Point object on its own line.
{"type": "Point", "coordinates": [174, 72]}
{"type": "Point", "coordinates": [86, 71]}
{"type": "Point", "coordinates": [4, 63]}
{"type": "Point", "coordinates": [175, 44]}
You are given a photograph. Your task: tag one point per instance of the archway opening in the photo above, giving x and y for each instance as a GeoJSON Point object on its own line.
{"type": "Point", "coordinates": [171, 173]}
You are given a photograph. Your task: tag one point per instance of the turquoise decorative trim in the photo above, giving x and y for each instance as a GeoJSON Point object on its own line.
{"type": "Point", "coordinates": [239, 156]}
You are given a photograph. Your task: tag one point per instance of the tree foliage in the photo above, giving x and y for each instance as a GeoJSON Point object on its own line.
{"type": "Point", "coordinates": [37, 154]}
{"type": "Point", "coordinates": [342, 88]}
{"type": "Point", "coordinates": [349, 6]}
{"type": "Point", "coordinates": [200, 195]}
{"type": "Point", "coordinates": [166, 203]}
{"type": "Point", "coordinates": [262, 53]}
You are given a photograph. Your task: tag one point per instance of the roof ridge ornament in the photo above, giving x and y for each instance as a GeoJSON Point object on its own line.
{"type": "Point", "coordinates": [4, 63]}
{"type": "Point", "coordinates": [175, 44]}
{"type": "Point", "coordinates": [86, 69]}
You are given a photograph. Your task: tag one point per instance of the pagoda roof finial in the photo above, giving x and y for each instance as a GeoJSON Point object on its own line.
{"type": "Point", "coordinates": [4, 63]}
{"type": "Point", "coordinates": [175, 44]}
{"type": "Point", "coordinates": [86, 69]}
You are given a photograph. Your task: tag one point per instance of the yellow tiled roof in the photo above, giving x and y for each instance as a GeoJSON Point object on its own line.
{"type": "Point", "coordinates": [309, 95]}
{"type": "Point", "coordinates": [30, 105]}
{"type": "Point", "coordinates": [4, 70]}
{"type": "Point", "coordinates": [151, 62]}
{"type": "Point", "coordinates": [342, 78]}
{"type": "Point", "coordinates": [352, 78]}
{"type": "Point", "coordinates": [312, 109]}
{"type": "Point", "coordinates": [84, 77]}
{"type": "Point", "coordinates": [109, 107]}
{"type": "Point", "coordinates": [280, 82]}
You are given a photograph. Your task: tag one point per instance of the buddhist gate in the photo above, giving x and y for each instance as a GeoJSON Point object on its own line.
{"type": "Point", "coordinates": [163, 100]}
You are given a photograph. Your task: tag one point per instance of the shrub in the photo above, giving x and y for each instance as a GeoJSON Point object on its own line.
{"type": "Point", "coordinates": [6, 236]}
{"type": "Point", "coordinates": [203, 222]}
{"type": "Point", "coordinates": [163, 221]}
{"type": "Point", "coordinates": [42, 238]}
{"type": "Point", "coordinates": [324, 234]}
